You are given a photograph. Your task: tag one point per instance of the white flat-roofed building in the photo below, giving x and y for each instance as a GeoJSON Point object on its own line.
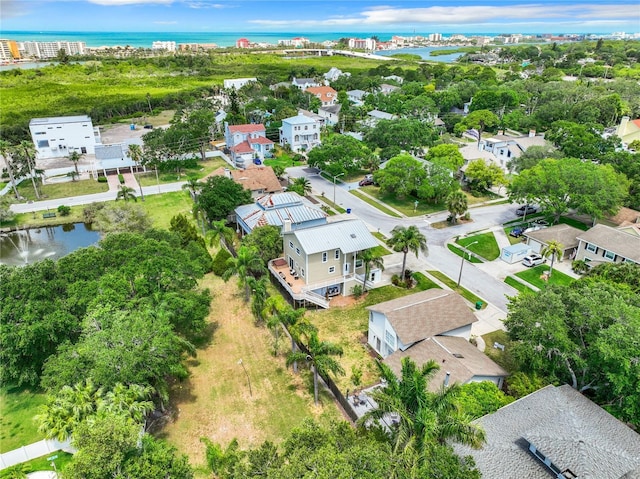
{"type": "Point", "coordinates": [51, 49]}
{"type": "Point", "coordinates": [164, 45]}
{"type": "Point", "coordinates": [237, 83]}
{"type": "Point", "coordinates": [57, 137]}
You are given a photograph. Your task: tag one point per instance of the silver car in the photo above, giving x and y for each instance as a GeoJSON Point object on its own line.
{"type": "Point", "coordinates": [534, 259]}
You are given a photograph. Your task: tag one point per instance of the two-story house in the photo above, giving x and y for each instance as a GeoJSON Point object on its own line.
{"type": "Point", "coordinates": [259, 180]}
{"type": "Point", "coordinates": [300, 132]}
{"type": "Point", "coordinates": [325, 94]}
{"type": "Point", "coordinates": [247, 143]}
{"type": "Point", "coordinates": [330, 114]}
{"type": "Point", "coordinates": [322, 261]}
{"type": "Point", "coordinates": [334, 73]}
{"type": "Point", "coordinates": [304, 83]}
{"type": "Point", "coordinates": [356, 97]}
{"type": "Point", "coordinates": [58, 137]}
{"type": "Point", "coordinates": [433, 324]}
{"type": "Point", "coordinates": [604, 244]}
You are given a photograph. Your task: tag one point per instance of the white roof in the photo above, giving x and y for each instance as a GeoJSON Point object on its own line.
{"type": "Point", "coordinates": [300, 119]}
{"type": "Point", "coordinates": [349, 236]}
{"type": "Point", "coordinates": [59, 119]}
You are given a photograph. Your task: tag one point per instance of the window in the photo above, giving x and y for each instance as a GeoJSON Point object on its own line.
{"type": "Point", "coordinates": [324, 257]}
{"type": "Point", "coordinates": [591, 247]}
{"type": "Point", "coordinates": [610, 255]}
{"type": "Point", "coordinates": [41, 132]}
{"type": "Point", "coordinates": [336, 254]}
{"type": "Point", "coordinates": [43, 143]}
{"type": "Point", "coordinates": [389, 338]}
{"type": "Point", "coordinates": [298, 251]}
{"type": "Point", "coordinates": [291, 244]}
{"type": "Point", "coordinates": [302, 272]}
{"type": "Point", "coordinates": [332, 269]}
{"type": "Point", "coordinates": [358, 263]}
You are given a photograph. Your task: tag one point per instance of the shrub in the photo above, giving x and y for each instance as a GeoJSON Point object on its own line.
{"type": "Point", "coordinates": [580, 266]}
{"type": "Point", "coordinates": [121, 179]}
{"type": "Point", "coordinates": [520, 384]}
{"type": "Point", "coordinates": [395, 280]}
{"type": "Point", "coordinates": [64, 210]}
{"type": "Point", "coordinates": [90, 211]}
{"type": "Point", "coordinates": [357, 291]}
{"type": "Point", "coordinates": [220, 262]}
{"type": "Point", "coordinates": [102, 179]}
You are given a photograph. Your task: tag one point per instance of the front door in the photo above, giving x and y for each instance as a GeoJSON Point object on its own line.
{"type": "Point", "coordinates": [346, 268]}
{"type": "Point", "coordinates": [290, 262]}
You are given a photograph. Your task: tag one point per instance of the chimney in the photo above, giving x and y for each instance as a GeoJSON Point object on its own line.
{"type": "Point", "coordinates": [446, 379]}
{"type": "Point", "coordinates": [500, 132]}
{"type": "Point", "coordinates": [532, 133]}
{"type": "Point", "coordinates": [227, 172]}
{"type": "Point", "coordinates": [286, 226]}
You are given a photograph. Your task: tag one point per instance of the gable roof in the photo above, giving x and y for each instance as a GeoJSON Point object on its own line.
{"type": "Point", "coordinates": [425, 314]}
{"type": "Point", "coordinates": [615, 240]}
{"type": "Point", "coordinates": [325, 93]}
{"type": "Point", "coordinates": [253, 178]}
{"type": "Point", "coordinates": [248, 128]}
{"type": "Point", "coordinates": [455, 355]}
{"type": "Point", "coordinates": [381, 115]}
{"type": "Point", "coordinates": [299, 119]}
{"type": "Point", "coordinates": [566, 235]}
{"type": "Point", "coordinates": [332, 109]}
{"type": "Point", "coordinates": [349, 236]}
{"type": "Point", "coordinates": [570, 430]}
{"type": "Point", "coordinates": [357, 94]}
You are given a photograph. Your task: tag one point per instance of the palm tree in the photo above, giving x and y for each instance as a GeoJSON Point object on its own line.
{"type": "Point", "coordinates": [135, 152]}
{"type": "Point", "coordinates": [319, 357]}
{"type": "Point", "coordinates": [273, 314]}
{"type": "Point", "coordinates": [301, 185]}
{"type": "Point", "coordinates": [407, 239]}
{"type": "Point", "coordinates": [75, 157]}
{"type": "Point", "coordinates": [370, 258]}
{"type": "Point", "coordinates": [193, 185]}
{"type": "Point", "coordinates": [247, 262]}
{"type": "Point", "coordinates": [457, 204]}
{"type": "Point", "coordinates": [425, 418]}
{"type": "Point", "coordinates": [554, 248]}
{"type": "Point", "coordinates": [29, 153]}
{"type": "Point", "coordinates": [221, 232]}
{"type": "Point", "coordinates": [259, 296]}
{"type": "Point", "coordinates": [7, 154]}
{"type": "Point", "coordinates": [132, 400]}
{"type": "Point", "coordinates": [126, 193]}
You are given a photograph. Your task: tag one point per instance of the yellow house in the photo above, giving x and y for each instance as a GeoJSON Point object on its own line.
{"type": "Point", "coordinates": [628, 130]}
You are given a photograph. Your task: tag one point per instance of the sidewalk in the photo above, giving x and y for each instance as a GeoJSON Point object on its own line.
{"type": "Point", "coordinates": [382, 203]}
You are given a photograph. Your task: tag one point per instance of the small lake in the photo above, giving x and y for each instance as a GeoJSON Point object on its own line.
{"type": "Point", "coordinates": [425, 53]}
{"type": "Point", "coordinates": [29, 246]}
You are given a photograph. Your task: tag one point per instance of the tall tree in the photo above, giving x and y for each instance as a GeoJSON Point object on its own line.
{"type": "Point", "coordinates": [135, 153]}
{"type": "Point", "coordinates": [244, 266]}
{"type": "Point", "coordinates": [301, 185]}
{"type": "Point", "coordinates": [223, 234]}
{"type": "Point", "coordinates": [74, 157]}
{"type": "Point", "coordinates": [220, 195]}
{"type": "Point", "coordinates": [27, 152]}
{"type": "Point", "coordinates": [407, 238]}
{"type": "Point", "coordinates": [6, 150]}
{"type": "Point", "coordinates": [554, 249]}
{"type": "Point", "coordinates": [457, 204]}
{"type": "Point", "coordinates": [319, 357]}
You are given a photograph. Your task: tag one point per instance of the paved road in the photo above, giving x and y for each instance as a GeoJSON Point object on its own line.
{"type": "Point", "coordinates": [482, 283]}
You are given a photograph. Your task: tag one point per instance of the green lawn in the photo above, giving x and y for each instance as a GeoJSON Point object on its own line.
{"type": "Point", "coordinates": [405, 206]}
{"type": "Point", "coordinates": [465, 293]}
{"type": "Point", "coordinates": [380, 236]}
{"type": "Point", "coordinates": [39, 464]}
{"type": "Point", "coordinates": [62, 190]}
{"type": "Point", "coordinates": [381, 250]}
{"type": "Point", "coordinates": [161, 208]}
{"type": "Point", "coordinates": [460, 253]}
{"type": "Point", "coordinates": [18, 406]}
{"type": "Point", "coordinates": [202, 170]}
{"type": "Point", "coordinates": [575, 223]}
{"type": "Point", "coordinates": [486, 245]}
{"type": "Point", "coordinates": [283, 160]}
{"type": "Point", "coordinates": [326, 200]}
{"type": "Point", "coordinates": [374, 203]}
{"type": "Point", "coordinates": [518, 285]}
{"type": "Point", "coordinates": [512, 239]}
{"type": "Point", "coordinates": [503, 358]}
{"type": "Point", "coordinates": [534, 276]}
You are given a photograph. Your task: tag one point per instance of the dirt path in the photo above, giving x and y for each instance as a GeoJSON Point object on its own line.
{"type": "Point", "coordinates": [215, 401]}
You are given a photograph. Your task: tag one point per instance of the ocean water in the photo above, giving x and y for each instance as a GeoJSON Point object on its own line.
{"type": "Point", "coordinates": [223, 39]}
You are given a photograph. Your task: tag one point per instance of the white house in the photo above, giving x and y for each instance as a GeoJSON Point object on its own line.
{"type": "Point", "coordinates": [356, 96]}
{"type": "Point", "coordinates": [330, 114]}
{"type": "Point", "coordinates": [500, 148]}
{"type": "Point", "coordinates": [300, 132]}
{"type": "Point", "coordinates": [57, 137]}
{"type": "Point", "coordinates": [247, 142]}
{"type": "Point", "coordinates": [431, 325]}
{"type": "Point", "coordinates": [394, 78]}
{"type": "Point", "coordinates": [334, 73]}
{"type": "Point", "coordinates": [304, 83]}
{"type": "Point", "coordinates": [374, 116]}
{"type": "Point", "coordinates": [237, 83]}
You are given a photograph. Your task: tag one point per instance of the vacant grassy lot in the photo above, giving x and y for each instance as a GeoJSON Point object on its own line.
{"type": "Point", "coordinates": [534, 276]}
{"type": "Point", "coordinates": [215, 401]}
{"type": "Point", "coordinates": [347, 326]}
{"type": "Point", "coordinates": [161, 208]}
{"type": "Point", "coordinates": [202, 170]}
{"type": "Point", "coordinates": [486, 245]}
{"type": "Point", "coordinates": [283, 159]}
{"type": "Point", "coordinates": [63, 190]}
{"type": "Point", "coordinates": [18, 406]}
{"type": "Point", "coordinates": [374, 203]}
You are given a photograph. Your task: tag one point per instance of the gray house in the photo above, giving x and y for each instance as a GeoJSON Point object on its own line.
{"type": "Point", "coordinates": [604, 244]}
{"type": "Point", "coordinates": [555, 432]}
{"type": "Point", "coordinates": [566, 235]}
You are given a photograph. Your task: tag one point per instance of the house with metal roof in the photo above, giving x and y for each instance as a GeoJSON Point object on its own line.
{"type": "Point", "coordinates": [330, 114]}
{"type": "Point", "coordinates": [322, 261]}
{"type": "Point", "coordinates": [603, 243]}
{"type": "Point", "coordinates": [356, 96]}
{"type": "Point", "coordinates": [555, 432]}
{"type": "Point", "coordinates": [277, 208]}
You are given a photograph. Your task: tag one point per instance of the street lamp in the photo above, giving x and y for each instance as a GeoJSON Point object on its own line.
{"type": "Point", "coordinates": [462, 263]}
{"type": "Point", "coordinates": [334, 186]}
{"type": "Point", "coordinates": [247, 374]}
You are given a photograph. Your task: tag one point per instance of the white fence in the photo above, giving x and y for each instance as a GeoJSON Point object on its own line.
{"type": "Point", "coordinates": [32, 451]}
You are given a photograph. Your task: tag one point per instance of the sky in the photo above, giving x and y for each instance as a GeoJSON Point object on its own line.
{"type": "Point", "coordinates": [373, 16]}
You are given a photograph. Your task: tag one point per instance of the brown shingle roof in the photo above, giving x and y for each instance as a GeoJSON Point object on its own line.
{"type": "Point", "coordinates": [625, 216]}
{"type": "Point", "coordinates": [455, 355]}
{"type": "Point", "coordinates": [612, 239]}
{"type": "Point", "coordinates": [254, 178]}
{"type": "Point", "coordinates": [422, 315]}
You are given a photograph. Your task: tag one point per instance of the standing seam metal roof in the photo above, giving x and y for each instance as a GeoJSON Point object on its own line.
{"type": "Point", "coordinates": [349, 236]}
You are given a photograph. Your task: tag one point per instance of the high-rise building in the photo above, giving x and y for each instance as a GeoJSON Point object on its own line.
{"type": "Point", "coordinates": [51, 49]}
{"type": "Point", "coordinates": [9, 50]}
{"type": "Point", "coordinates": [168, 46]}
{"type": "Point", "coordinates": [362, 43]}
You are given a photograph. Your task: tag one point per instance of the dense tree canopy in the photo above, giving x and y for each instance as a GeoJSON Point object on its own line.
{"type": "Point", "coordinates": [339, 154]}
{"type": "Point", "coordinates": [219, 196]}
{"type": "Point", "coordinates": [408, 134]}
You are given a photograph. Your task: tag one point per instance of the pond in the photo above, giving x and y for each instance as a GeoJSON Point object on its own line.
{"type": "Point", "coordinates": [29, 246]}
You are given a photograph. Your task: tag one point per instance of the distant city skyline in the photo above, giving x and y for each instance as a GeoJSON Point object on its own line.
{"type": "Point", "coordinates": [382, 16]}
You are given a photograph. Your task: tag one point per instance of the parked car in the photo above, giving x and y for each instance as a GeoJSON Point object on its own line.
{"type": "Point", "coordinates": [148, 126]}
{"type": "Point", "coordinates": [540, 222]}
{"type": "Point", "coordinates": [516, 232]}
{"type": "Point", "coordinates": [526, 210]}
{"type": "Point", "coordinates": [256, 161]}
{"type": "Point", "coordinates": [534, 259]}
{"type": "Point", "coordinates": [534, 227]}
{"type": "Point", "coordinates": [367, 180]}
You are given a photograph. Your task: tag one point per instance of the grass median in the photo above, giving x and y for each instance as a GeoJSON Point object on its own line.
{"type": "Point", "coordinates": [374, 203]}
{"type": "Point", "coordinates": [465, 293]}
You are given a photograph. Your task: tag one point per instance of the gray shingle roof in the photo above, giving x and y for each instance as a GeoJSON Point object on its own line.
{"type": "Point", "coordinates": [573, 432]}
{"type": "Point", "coordinates": [565, 234]}
{"type": "Point", "coordinates": [612, 239]}
{"type": "Point", "coordinates": [349, 236]}
{"type": "Point", "coordinates": [425, 314]}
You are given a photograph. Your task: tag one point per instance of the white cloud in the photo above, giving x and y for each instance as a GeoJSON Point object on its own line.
{"type": "Point", "coordinates": [204, 4]}
{"type": "Point", "coordinates": [465, 15]}
{"type": "Point", "coordinates": [117, 3]}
